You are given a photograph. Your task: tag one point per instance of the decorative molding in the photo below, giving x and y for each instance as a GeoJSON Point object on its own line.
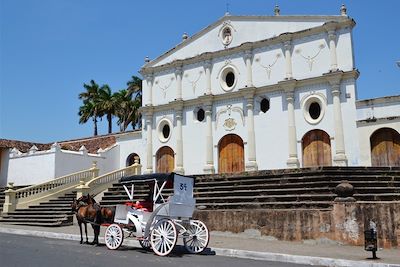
{"type": "Point", "coordinates": [193, 82]}
{"type": "Point", "coordinates": [229, 109]}
{"type": "Point", "coordinates": [310, 59]}
{"type": "Point", "coordinates": [230, 124]}
{"type": "Point", "coordinates": [278, 87]}
{"type": "Point", "coordinates": [164, 87]}
{"type": "Point", "coordinates": [268, 68]}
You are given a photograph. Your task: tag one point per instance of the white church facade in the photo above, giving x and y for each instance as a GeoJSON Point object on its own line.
{"type": "Point", "coordinates": [250, 93]}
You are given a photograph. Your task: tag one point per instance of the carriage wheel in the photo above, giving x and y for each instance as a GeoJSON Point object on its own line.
{"type": "Point", "coordinates": [114, 236]}
{"type": "Point", "coordinates": [198, 237]}
{"type": "Point", "coordinates": [163, 237]}
{"type": "Point", "coordinates": [145, 243]}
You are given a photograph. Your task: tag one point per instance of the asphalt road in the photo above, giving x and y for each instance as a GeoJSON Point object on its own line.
{"type": "Point", "coordinates": [16, 250]}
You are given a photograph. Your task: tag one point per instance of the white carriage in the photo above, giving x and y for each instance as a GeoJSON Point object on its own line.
{"type": "Point", "coordinates": [159, 222]}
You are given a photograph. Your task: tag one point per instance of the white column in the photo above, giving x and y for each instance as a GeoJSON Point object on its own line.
{"type": "Point", "coordinates": [332, 49]}
{"type": "Point", "coordinates": [288, 59]}
{"type": "Point", "coordinates": [209, 167]}
{"type": "Point", "coordinates": [149, 80]}
{"type": "Point", "coordinates": [178, 73]}
{"type": "Point", "coordinates": [179, 143]}
{"type": "Point", "coordinates": [340, 158]}
{"type": "Point", "coordinates": [248, 54]}
{"type": "Point", "coordinates": [149, 144]}
{"type": "Point", "coordinates": [289, 88]}
{"type": "Point", "coordinates": [251, 142]}
{"type": "Point", "coordinates": [207, 66]}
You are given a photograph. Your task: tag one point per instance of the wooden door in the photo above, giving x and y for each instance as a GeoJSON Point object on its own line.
{"type": "Point", "coordinates": [165, 160]}
{"type": "Point", "coordinates": [231, 154]}
{"type": "Point", "coordinates": [316, 149]}
{"type": "Point", "coordinates": [385, 147]}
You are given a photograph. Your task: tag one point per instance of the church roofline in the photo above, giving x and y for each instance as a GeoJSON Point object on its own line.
{"type": "Point", "coordinates": [378, 100]}
{"type": "Point", "coordinates": [336, 22]}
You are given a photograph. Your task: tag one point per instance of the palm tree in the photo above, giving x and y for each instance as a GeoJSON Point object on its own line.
{"type": "Point", "coordinates": [135, 90]}
{"type": "Point", "coordinates": [107, 104]}
{"type": "Point", "coordinates": [87, 111]}
{"type": "Point", "coordinates": [90, 104]}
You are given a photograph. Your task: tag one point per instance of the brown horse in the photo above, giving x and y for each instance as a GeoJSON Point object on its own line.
{"type": "Point", "coordinates": [88, 211]}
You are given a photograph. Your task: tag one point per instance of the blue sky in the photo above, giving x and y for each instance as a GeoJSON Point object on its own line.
{"type": "Point", "coordinates": [49, 48]}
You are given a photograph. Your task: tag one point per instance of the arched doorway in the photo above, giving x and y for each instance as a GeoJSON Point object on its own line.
{"type": "Point", "coordinates": [165, 160]}
{"type": "Point", "coordinates": [385, 147]}
{"type": "Point", "coordinates": [316, 146]}
{"type": "Point", "coordinates": [131, 159]}
{"type": "Point", "coordinates": [231, 154]}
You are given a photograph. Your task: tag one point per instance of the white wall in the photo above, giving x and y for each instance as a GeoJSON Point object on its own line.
{"type": "Point", "coordinates": [31, 169]}
{"type": "Point", "coordinates": [132, 143]}
{"type": "Point", "coordinates": [67, 162]}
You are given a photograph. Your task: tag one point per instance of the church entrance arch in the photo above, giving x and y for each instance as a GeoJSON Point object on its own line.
{"type": "Point", "coordinates": [385, 147]}
{"type": "Point", "coordinates": [316, 146]}
{"type": "Point", "coordinates": [231, 154]}
{"type": "Point", "coordinates": [165, 160]}
{"type": "Point", "coordinates": [130, 160]}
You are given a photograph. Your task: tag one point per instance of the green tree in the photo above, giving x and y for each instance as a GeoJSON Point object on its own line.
{"type": "Point", "coordinates": [90, 107]}
{"type": "Point", "coordinates": [135, 91]}
{"type": "Point", "coordinates": [107, 104]}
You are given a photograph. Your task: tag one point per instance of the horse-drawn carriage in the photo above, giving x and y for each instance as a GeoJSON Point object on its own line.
{"type": "Point", "coordinates": [162, 219]}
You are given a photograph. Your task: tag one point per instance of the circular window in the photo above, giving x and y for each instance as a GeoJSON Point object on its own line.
{"type": "Point", "coordinates": [264, 105]}
{"type": "Point", "coordinates": [314, 108]}
{"type": "Point", "coordinates": [228, 79]}
{"type": "Point", "coordinates": [200, 114]}
{"type": "Point", "coordinates": [164, 130]}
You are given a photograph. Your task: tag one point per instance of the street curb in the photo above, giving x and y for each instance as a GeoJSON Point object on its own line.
{"type": "Point", "coordinates": [245, 254]}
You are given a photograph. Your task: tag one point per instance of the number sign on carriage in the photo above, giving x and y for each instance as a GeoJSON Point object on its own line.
{"type": "Point", "coordinates": [183, 188]}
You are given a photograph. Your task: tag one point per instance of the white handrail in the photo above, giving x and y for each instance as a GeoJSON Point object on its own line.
{"type": "Point", "coordinates": [45, 186]}
{"type": "Point", "coordinates": [113, 176]}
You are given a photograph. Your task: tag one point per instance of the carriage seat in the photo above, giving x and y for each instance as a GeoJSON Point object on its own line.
{"type": "Point", "coordinates": [141, 205]}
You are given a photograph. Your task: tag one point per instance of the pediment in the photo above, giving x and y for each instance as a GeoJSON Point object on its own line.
{"type": "Point", "coordinates": [231, 31]}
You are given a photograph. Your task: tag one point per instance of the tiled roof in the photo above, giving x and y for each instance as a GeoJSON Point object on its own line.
{"type": "Point", "coordinates": [21, 145]}
{"type": "Point", "coordinates": [92, 144]}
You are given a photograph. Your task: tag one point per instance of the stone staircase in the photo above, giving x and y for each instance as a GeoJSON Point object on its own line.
{"type": "Point", "coordinates": [2, 197]}
{"type": "Point", "coordinates": [306, 188]}
{"type": "Point", "coordinates": [56, 212]}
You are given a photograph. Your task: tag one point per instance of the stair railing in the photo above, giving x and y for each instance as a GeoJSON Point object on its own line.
{"type": "Point", "coordinates": [22, 198]}
{"type": "Point", "coordinates": [103, 182]}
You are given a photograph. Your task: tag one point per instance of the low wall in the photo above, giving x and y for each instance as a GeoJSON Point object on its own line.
{"type": "Point", "coordinates": [345, 223]}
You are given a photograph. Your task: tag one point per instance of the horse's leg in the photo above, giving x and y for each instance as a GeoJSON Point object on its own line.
{"type": "Point", "coordinates": [87, 240]}
{"type": "Point", "coordinates": [80, 230]}
{"type": "Point", "coordinates": [96, 230]}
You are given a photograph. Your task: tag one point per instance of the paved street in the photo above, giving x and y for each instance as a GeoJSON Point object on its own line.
{"type": "Point", "coordinates": [18, 251]}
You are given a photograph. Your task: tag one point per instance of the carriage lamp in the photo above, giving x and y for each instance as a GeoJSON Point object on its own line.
{"type": "Point", "coordinates": [371, 239]}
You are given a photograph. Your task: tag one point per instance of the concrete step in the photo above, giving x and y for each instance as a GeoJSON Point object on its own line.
{"type": "Point", "coordinates": [38, 223]}
{"type": "Point", "coordinates": [35, 216]}
{"type": "Point", "coordinates": [327, 205]}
